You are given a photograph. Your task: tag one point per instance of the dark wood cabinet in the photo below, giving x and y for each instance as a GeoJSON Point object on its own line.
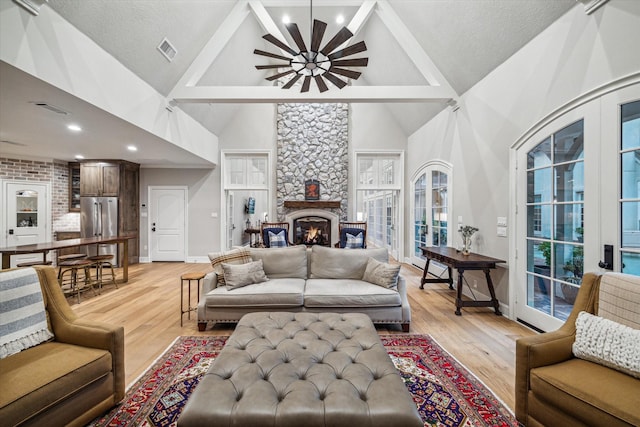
{"type": "Point", "coordinates": [100, 179]}
{"type": "Point", "coordinates": [74, 187]}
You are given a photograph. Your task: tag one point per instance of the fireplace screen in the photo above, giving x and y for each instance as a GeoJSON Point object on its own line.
{"type": "Point", "coordinates": [312, 230]}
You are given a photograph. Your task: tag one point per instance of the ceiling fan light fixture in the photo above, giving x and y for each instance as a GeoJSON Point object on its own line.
{"type": "Point", "coordinates": [314, 62]}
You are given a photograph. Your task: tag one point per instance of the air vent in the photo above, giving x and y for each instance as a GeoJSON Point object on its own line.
{"type": "Point", "coordinates": [51, 108]}
{"type": "Point", "coordinates": [167, 49]}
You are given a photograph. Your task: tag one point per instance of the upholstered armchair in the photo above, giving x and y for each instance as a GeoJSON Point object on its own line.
{"type": "Point", "coordinates": [66, 380]}
{"type": "Point", "coordinates": [275, 234]}
{"type": "Point", "coordinates": [353, 235]}
{"type": "Point", "coordinates": [555, 387]}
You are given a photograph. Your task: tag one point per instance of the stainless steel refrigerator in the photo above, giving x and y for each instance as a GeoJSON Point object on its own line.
{"type": "Point", "coordinates": [99, 218]}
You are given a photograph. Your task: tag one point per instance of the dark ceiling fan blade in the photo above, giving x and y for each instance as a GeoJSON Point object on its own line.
{"type": "Point", "coordinates": [275, 41]}
{"type": "Point", "coordinates": [306, 83]}
{"type": "Point", "coordinates": [291, 82]}
{"type": "Point", "coordinates": [297, 37]}
{"type": "Point", "coordinates": [267, 67]}
{"type": "Point", "coordinates": [270, 55]}
{"type": "Point", "coordinates": [277, 76]}
{"type": "Point", "coordinates": [347, 73]}
{"type": "Point", "coordinates": [356, 62]}
{"type": "Point", "coordinates": [321, 84]}
{"type": "Point", "coordinates": [349, 50]}
{"type": "Point", "coordinates": [342, 36]}
{"type": "Point", "coordinates": [318, 33]}
{"type": "Point", "coordinates": [335, 80]}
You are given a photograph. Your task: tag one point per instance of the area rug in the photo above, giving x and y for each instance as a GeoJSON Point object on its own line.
{"type": "Point", "coordinates": [444, 391]}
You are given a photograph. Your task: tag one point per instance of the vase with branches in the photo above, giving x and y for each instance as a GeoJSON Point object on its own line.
{"type": "Point", "coordinates": [466, 232]}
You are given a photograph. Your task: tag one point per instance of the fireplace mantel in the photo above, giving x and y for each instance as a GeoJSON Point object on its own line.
{"type": "Point", "coordinates": [312, 204]}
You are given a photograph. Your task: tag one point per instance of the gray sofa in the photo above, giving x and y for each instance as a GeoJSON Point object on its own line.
{"type": "Point", "coordinates": [319, 279]}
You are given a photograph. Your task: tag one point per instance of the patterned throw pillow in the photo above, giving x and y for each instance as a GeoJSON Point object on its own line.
{"type": "Point", "coordinates": [354, 242]}
{"type": "Point", "coordinates": [277, 240]}
{"type": "Point", "coordinates": [237, 276]}
{"type": "Point", "coordinates": [23, 320]}
{"type": "Point", "coordinates": [234, 256]}
{"type": "Point", "coordinates": [382, 274]}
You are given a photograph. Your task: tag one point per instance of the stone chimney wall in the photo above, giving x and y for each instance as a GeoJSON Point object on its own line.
{"type": "Point", "coordinates": [312, 143]}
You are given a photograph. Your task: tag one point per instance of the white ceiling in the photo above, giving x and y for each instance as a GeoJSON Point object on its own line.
{"type": "Point", "coordinates": [465, 39]}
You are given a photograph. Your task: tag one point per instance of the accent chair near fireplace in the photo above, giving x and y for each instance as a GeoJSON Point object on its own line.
{"type": "Point", "coordinates": [353, 235]}
{"type": "Point", "coordinates": [275, 234]}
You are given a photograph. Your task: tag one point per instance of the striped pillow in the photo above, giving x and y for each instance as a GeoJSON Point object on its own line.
{"type": "Point", "coordinates": [234, 256]}
{"type": "Point", "coordinates": [23, 320]}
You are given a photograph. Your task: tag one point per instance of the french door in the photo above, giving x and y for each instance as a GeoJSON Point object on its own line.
{"type": "Point", "coordinates": [431, 209]}
{"type": "Point", "coordinates": [578, 189]}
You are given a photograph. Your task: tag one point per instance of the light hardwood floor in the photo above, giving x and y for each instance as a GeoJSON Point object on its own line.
{"type": "Point", "coordinates": [148, 307]}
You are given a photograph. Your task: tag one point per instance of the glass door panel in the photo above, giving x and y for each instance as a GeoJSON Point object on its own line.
{"type": "Point", "coordinates": [630, 187]}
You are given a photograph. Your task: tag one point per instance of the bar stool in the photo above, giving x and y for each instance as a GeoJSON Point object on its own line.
{"type": "Point", "coordinates": [32, 263]}
{"type": "Point", "coordinates": [71, 285]}
{"type": "Point", "coordinates": [100, 262]}
{"type": "Point", "coordinates": [68, 257]}
{"type": "Point", "coordinates": [188, 277]}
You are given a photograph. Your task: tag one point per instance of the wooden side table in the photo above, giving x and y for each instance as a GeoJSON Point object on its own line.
{"type": "Point", "coordinates": [189, 277]}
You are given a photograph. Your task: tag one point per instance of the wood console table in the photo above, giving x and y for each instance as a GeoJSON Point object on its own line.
{"type": "Point", "coordinates": [45, 247]}
{"type": "Point", "coordinates": [455, 259]}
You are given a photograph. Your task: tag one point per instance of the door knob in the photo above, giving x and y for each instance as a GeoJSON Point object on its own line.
{"type": "Point", "coordinates": [153, 229]}
{"type": "Point", "coordinates": [607, 264]}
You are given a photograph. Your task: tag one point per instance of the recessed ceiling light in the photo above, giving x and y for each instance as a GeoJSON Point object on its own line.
{"type": "Point", "coordinates": [132, 148]}
{"type": "Point", "coordinates": [339, 19]}
{"type": "Point", "coordinates": [74, 128]}
{"type": "Point", "coordinates": [286, 19]}
{"type": "Point", "coordinates": [79, 156]}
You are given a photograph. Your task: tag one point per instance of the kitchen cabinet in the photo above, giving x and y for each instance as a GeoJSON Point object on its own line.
{"type": "Point", "coordinates": [99, 179]}
{"type": "Point", "coordinates": [74, 187]}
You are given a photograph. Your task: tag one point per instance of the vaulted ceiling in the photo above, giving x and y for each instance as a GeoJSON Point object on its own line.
{"type": "Point", "coordinates": [421, 52]}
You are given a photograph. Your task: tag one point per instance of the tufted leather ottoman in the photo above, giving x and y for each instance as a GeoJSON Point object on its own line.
{"type": "Point", "coordinates": [302, 369]}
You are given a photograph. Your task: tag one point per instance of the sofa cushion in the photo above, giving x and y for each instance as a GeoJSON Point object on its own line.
{"type": "Point", "coordinates": [275, 293]}
{"type": "Point", "coordinates": [237, 276]}
{"type": "Point", "coordinates": [382, 273]}
{"type": "Point", "coordinates": [619, 299]}
{"type": "Point", "coordinates": [348, 293]}
{"type": "Point", "coordinates": [50, 372]}
{"type": "Point", "coordinates": [234, 256]}
{"type": "Point", "coordinates": [23, 320]}
{"type": "Point", "coordinates": [578, 386]}
{"type": "Point", "coordinates": [609, 343]}
{"type": "Point", "coordinates": [282, 262]}
{"type": "Point", "coordinates": [334, 263]}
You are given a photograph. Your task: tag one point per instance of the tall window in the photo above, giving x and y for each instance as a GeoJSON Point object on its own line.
{"type": "Point", "coordinates": [378, 187]}
{"type": "Point", "coordinates": [630, 197]}
{"type": "Point", "coordinates": [555, 221]}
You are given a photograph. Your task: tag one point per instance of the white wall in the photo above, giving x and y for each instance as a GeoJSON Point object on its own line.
{"type": "Point", "coordinates": [53, 50]}
{"type": "Point", "coordinates": [577, 53]}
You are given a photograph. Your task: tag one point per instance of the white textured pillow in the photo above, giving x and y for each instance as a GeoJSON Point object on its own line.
{"type": "Point", "coordinates": [239, 275]}
{"type": "Point", "coordinates": [381, 273]}
{"type": "Point", "coordinates": [608, 343]}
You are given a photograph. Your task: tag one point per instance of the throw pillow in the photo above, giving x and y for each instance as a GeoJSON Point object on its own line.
{"type": "Point", "coordinates": [277, 240]}
{"type": "Point", "coordinates": [234, 256]}
{"type": "Point", "coordinates": [237, 276]}
{"type": "Point", "coordinates": [608, 343]}
{"type": "Point", "coordinates": [23, 320]}
{"type": "Point", "coordinates": [354, 242]}
{"type": "Point", "coordinates": [381, 273]}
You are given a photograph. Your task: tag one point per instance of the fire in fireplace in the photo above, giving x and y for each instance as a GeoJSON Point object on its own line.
{"type": "Point", "coordinates": [312, 230]}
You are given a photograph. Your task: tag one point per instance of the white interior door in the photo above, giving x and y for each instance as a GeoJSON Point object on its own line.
{"type": "Point", "coordinates": [27, 216]}
{"type": "Point", "coordinates": [168, 214]}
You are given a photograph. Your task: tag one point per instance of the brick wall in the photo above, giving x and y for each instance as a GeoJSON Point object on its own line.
{"type": "Point", "coordinates": [56, 173]}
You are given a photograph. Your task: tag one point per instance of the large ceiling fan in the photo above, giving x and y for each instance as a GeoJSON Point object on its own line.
{"type": "Point", "coordinates": [315, 63]}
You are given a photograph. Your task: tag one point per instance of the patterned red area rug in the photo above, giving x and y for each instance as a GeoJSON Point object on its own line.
{"type": "Point", "coordinates": [445, 392]}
